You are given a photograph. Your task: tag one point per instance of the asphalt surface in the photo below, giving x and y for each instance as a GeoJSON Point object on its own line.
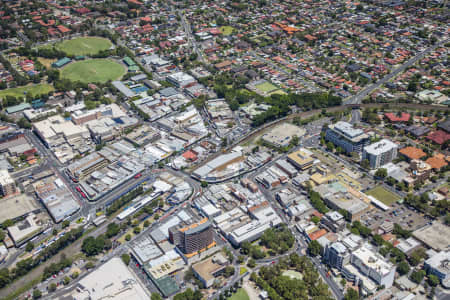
{"type": "Point", "coordinates": [356, 116]}
{"type": "Point", "coordinates": [191, 40]}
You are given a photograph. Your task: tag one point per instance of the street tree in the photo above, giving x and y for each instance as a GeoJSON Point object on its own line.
{"type": "Point", "coordinates": [403, 268]}
{"type": "Point", "coordinates": [52, 287]}
{"type": "Point", "coordinates": [29, 247]}
{"type": "Point", "coordinates": [156, 296]}
{"type": "Point", "coordinates": [417, 276]}
{"type": "Point", "coordinates": [381, 173]}
{"type": "Point", "coordinates": [251, 263]}
{"type": "Point", "coordinates": [365, 164]}
{"type": "Point", "coordinates": [314, 248]}
{"type": "Point", "coordinates": [351, 294]}
{"type": "Point", "coordinates": [433, 280]}
{"type": "Point", "coordinates": [126, 258]}
{"type": "Point", "coordinates": [65, 224]}
{"type": "Point", "coordinates": [37, 294]}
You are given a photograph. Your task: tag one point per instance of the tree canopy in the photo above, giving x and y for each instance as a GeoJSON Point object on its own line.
{"type": "Point", "coordinates": [317, 202]}
{"type": "Point", "coordinates": [271, 279]}
{"type": "Point", "coordinates": [92, 246]}
{"type": "Point", "coordinates": [189, 294]}
{"type": "Point", "coordinates": [278, 239]}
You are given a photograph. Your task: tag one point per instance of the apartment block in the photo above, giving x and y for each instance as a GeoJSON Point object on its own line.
{"type": "Point", "coordinates": [192, 238]}
{"type": "Point", "coordinates": [438, 265]}
{"type": "Point", "coordinates": [344, 135]}
{"type": "Point", "coordinates": [374, 266]}
{"type": "Point", "coordinates": [380, 153]}
{"type": "Point", "coordinates": [7, 186]}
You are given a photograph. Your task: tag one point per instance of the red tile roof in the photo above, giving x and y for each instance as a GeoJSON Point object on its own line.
{"type": "Point", "coordinates": [317, 234]}
{"type": "Point", "coordinates": [63, 29]}
{"type": "Point", "coordinates": [190, 155]}
{"type": "Point", "coordinates": [436, 162]}
{"type": "Point", "coordinates": [412, 152]}
{"type": "Point", "coordinates": [258, 206]}
{"type": "Point", "coordinates": [215, 31]}
{"type": "Point", "coordinates": [439, 137]}
{"type": "Point", "coordinates": [310, 37]}
{"type": "Point", "coordinates": [317, 214]}
{"type": "Point", "coordinates": [49, 23]}
{"type": "Point", "coordinates": [394, 118]}
{"type": "Point", "coordinates": [388, 237]}
{"type": "Point", "coordinates": [82, 10]}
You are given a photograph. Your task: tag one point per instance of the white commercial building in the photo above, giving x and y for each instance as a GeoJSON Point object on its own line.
{"type": "Point", "coordinates": [380, 153]}
{"type": "Point", "coordinates": [408, 246]}
{"type": "Point", "coordinates": [344, 135]}
{"type": "Point", "coordinates": [180, 79]}
{"type": "Point", "coordinates": [56, 130]}
{"type": "Point", "coordinates": [374, 266]}
{"type": "Point", "coordinates": [155, 60]}
{"type": "Point", "coordinates": [360, 264]}
{"type": "Point", "coordinates": [439, 265]}
{"type": "Point", "coordinates": [248, 233]}
{"type": "Point", "coordinates": [56, 197]}
{"type": "Point", "coordinates": [7, 186]}
{"type": "Point", "coordinates": [112, 280]}
{"type": "Point", "coordinates": [264, 219]}
{"type": "Point", "coordinates": [220, 161]}
{"type": "Point", "coordinates": [24, 230]}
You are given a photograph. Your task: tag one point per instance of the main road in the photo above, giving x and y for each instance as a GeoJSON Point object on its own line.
{"type": "Point", "coordinates": [191, 39]}
{"type": "Point", "coordinates": [356, 99]}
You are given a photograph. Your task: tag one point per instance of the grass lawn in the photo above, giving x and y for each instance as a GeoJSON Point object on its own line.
{"type": "Point", "coordinates": [241, 294]}
{"type": "Point", "coordinates": [266, 87]}
{"type": "Point", "coordinates": [383, 195]}
{"type": "Point", "coordinates": [84, 45]}
{"type": "Point", "coordinates": [242, 271]}
{"type": "Point", "coordinates": [47, 62]}
{"type": "Point", "coordinates": [226, 30]}
{"type": "Point", "coordinates": [93, 70]}
{"type": "Point", "coordinates": [293, 274]}
{"type": "Point", "coordinates": [130, 231]}
{"type": "Point", "coordinates": [280, 92]}
{"type": "Point", "coordinates": [37, 89]}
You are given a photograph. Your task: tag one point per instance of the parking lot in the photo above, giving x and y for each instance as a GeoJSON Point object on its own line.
{"type": "Point", "coordinates": [398, 214]}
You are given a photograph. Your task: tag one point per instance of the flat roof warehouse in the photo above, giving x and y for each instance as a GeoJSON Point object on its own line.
{"type": "Point", "coordinates": [216, 163]}
{"type": "Point", "coordinates": [112, 280]}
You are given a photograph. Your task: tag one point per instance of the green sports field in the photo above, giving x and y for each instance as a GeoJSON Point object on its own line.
{"type": "Point", "coordinates": [93, 70]}
{"type": "Point", "coordinates": [383, 195]}
{"type": "Point", "coordinates": [35, 90]}
{"type": "Point", "coordinates": [84, 45]}
{"type": "Point", "coordinates": [226, 30]}
{"type": "Point", "coordinates": [241, 294]}
{"type": "Point", "coordinates": [266, 87]}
